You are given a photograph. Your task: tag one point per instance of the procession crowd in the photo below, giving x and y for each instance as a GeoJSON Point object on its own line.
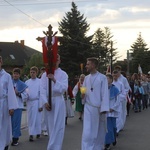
{"type": "Point", "coordinates": [102, 101]}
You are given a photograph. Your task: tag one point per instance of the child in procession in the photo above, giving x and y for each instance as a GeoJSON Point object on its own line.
{"type": "Point", "coordinates": [34, 106]}
{"type": "Point", "coordinates": [21, 94]}
{"type": "Point", "coordinates": [112, 114]}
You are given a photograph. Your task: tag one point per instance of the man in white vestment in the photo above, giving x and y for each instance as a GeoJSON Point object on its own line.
{"type": "Point", "coordinates": [8, 103]}
{"type": "Point", "coordinates": [34, 106]}
{"type": "Point", "coordinates": [126, 85]}
{"type": "Point", "coordinates": [96, 104]}
{"type": "Point", "coordinates": [122, 98]}
{"type": "Point", "coordinates": [55, 115]}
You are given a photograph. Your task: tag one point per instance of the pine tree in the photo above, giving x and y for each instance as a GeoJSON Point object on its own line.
{"type": "Point", "coordinates": [99, 48]}
{"type": "Point", "coordinates": [75, 46]}
{"type": "Point", "coordinates": [140, 55]}
{"type": "Point", "coordinates": [103, 47]}
{"type": "Point", "coordinates": [109, 45]}
{"type": "Point", "coordinates": [138, 46]}
{"type": "Point", "coordinates": [98, 44]}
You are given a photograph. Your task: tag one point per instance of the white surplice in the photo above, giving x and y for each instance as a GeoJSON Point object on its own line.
{"type": "Point", "coordinates": [122, 110]}
{"type": "Point", "coordinates": [7, 101]}
{"type": "Point", "coordinates": [114, 104]}
{"type": "Point", "coordinates": [126, 85]}
{"type": "Point", "coordinates": [96, 101]}
{"type": "Point", "coordinates": [33, 105]}
{"type": "Point", "coordinates": [43, 121]}
{"type": "Point", "coordinates": [56, 117]}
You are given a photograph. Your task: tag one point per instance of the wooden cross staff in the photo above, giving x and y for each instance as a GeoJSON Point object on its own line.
{"type": "Point", "coordinates": [49, 56]}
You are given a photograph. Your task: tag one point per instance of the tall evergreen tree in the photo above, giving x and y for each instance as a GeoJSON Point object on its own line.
{"type": "Point", "coordinates": [111, 54]}
{"type": "Point", "coordinates": [99, 48]}
{"type": "Point", "coordinates": [138, 46]}
{"type": "Point", "coordinates": [98, 44]}
{"type": "Point", "coordinates": [75, 46]}
{"type": "Point", "coordinates": [103, 47]}
{"type": "Point", "coordinates": [140, 55]}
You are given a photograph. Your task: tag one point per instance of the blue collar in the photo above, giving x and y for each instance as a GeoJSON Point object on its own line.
{"type": "Point", "coordinates": [113, 91]}
{"type": "Point", "coordinates": [20, 86]}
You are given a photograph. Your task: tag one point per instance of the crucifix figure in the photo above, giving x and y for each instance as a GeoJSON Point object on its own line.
{"type": "Point", "coordinates": [49, 55]}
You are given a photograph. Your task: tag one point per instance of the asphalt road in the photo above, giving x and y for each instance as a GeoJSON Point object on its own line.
{"type": "Point", "coordinates": [135, 136]}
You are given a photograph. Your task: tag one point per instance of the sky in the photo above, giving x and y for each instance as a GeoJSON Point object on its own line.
{"type": "Point", "coordinates": [27, 19]}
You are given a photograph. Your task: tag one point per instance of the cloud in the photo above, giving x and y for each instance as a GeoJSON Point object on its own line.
{"type": "Point", "coordinates": [27, 21]}
{"type": "Point", "coordinates": [105, 12]}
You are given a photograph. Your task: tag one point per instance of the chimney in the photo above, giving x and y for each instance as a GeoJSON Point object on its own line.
{"type": "Point", "coordinates": [16, 42]}
{"type": "Point", "coordinates": [22, 42]}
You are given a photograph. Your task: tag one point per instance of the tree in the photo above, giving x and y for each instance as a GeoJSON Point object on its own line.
{"type": "Point", "coordinates": [98, 44]}
{"type": "Point", "coordinates": [75, 46]}
{"type": "Point", "coordinates": [103, 47]}
{"type": "Point", "coordinates": [9, 62]}
{"type": "Point", "coordinates": [140, 55]}
{"type": "Point", "coordinates": [35, 60]}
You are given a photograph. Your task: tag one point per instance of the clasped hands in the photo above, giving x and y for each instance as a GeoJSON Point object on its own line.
{"type": "Point", "coordinates": [51, 76]}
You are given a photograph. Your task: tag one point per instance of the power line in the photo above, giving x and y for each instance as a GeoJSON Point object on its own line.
{"type": "Point", "coordinates": [38, 21]}
{"type": "Point", "coordinates": [58, 2]}
{"type": "Point", "coordinates": [25, 13]}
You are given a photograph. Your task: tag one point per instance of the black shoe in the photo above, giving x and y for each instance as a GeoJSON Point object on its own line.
{"type": "Point", "coordinates": [114, 143]}
{"type": "Point", "coordinates": [6, 148]}
{"type": "Point", "coordinates": [38, 136]}
{"type": "Point", "coordinates": [66, 121]}
{"type": "Point", "coordinates": [15, 141]}
{"type": "Point", "coordinates": [31, 138]}
{"type": "Point", "coordinates": [14, 144]}
{"type": "Point", "coordinates": [107, 147]}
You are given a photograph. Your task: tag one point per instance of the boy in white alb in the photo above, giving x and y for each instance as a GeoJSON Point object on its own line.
{"type": "Point", "coordinates": [20, 90]}
{"type": "Point", "coordinates": [112, 114]}
{"type": "Point", "coordinates": [122, 98]}
{"type": "Point", "coordinates": [34, 106]}
{"type": "Point", "coordinates": [127, 88]}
